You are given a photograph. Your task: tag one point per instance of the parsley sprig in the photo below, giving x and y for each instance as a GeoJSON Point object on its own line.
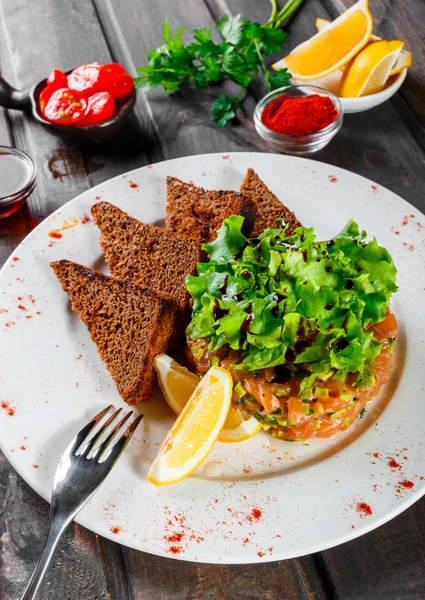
{"type": "Point", "coordinates": [238, 56]}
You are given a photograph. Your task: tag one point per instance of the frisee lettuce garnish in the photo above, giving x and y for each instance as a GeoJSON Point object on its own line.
{"type": "Point", "coordinates": [282, 299]}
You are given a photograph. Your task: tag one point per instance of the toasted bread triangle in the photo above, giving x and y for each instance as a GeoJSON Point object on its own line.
{"type": "Point", "coordinates": [198, 214]}
{"type": "Point", "coordinates": [269, 208]}
{"type": "Point", "coordinates": [124, 321]}
{"type": "Point", "coordinates": [145, 254]}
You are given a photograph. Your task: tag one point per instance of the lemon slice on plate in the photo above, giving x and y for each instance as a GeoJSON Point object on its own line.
{"type": "Point", "coordinates": [196, 429]}
{"type": "Point", "coordinates": [176, 382]}
{"type": "Point", "coordinates": [238, 427]}
{"type": "Point", "coordinates": [331, 48]}
{"type": "Point", "coordinates": [403, 62]}
{"type": "Point", "coordinates": [368, 72]}
{"type": "Point", "coordinates": [177, 385]}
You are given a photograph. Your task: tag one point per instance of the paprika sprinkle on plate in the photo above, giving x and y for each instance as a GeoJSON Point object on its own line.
{"type": "Point", "coordinates": [299, 119]}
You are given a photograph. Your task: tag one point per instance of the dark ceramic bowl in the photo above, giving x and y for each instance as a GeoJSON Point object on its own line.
{"type": "Point", "coordinates": [27, 101]}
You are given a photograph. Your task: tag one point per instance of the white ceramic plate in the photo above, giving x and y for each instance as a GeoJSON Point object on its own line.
{"type": "Point", "coordinates": [256, 501]}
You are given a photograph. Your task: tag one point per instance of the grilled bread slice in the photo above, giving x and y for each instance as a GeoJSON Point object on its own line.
{"type": "Point", "coordinates": [147, 255]}
{"type": "Point", "coordinates": [198, 214]}
{"type": "Point", "coordinates": [129, 325]}
{"type": "Point", "coordinates": [269, 208]}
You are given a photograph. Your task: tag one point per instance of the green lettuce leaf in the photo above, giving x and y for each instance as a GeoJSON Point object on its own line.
{"type": "Point", "coordinates": [293, 300]}
{"type": "Point", "coordinates": [229, 241]}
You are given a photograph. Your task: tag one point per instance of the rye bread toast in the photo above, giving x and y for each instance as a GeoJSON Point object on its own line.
{"type": "Point", "coordinates": [145, 254]}
{"type": "Point", "coordinates": [269, 208]}
{"type": "Point", "coordinates": [127, 323]}
{"type": "Point", "coordinates": [198, 214]}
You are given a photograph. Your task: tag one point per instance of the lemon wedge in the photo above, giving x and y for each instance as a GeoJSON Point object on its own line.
{"type": "Point", "coordinates": [195, 430]}
{"type": "Point", "coordinates": [238, 427]}
{"type": "Point", "coordinates": [403, 62]}
{"type": "Point", "coordinates": [178, 384]}
{"type": "Point", "coordinates": [368, 72]}
{"type": "Point", "coordinates": [332, 47]}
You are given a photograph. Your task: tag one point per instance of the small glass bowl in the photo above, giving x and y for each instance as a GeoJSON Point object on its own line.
{"type": "Point", "coordinates": [12, 202]}
{"type": "Point", "coordinates": [299, 145]}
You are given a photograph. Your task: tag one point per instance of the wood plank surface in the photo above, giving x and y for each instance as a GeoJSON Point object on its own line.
{"type": "Point", "coordinates": [386, 144]}
{"type": "Point", "coordinates": [65, 36]}
{"type": "Point", "coordinates": [76, 570]}
{"type": "Point", "coordinates": [60, 35]}
{"type": "Point", "coordinates": [387, 563]}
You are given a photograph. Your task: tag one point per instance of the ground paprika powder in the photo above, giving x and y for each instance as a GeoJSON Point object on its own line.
{"type": "Point", "coordinates": [299, 116]}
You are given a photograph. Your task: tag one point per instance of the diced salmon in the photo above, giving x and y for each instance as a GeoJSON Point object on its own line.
{"type": "Point", "coordinates": [295, 409]}
{"type": "Point", "coordinates": [386, 328]}
{"type": "Point", "coordinates": [325, 422]}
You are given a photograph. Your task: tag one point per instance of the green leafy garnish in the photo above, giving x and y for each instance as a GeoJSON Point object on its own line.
{"type": "Point", "coordinates": [267, 419]}
{"type": "Point", "coordinates": [224, 109]}
{"type": "Point", "coordinates": [238, 56]}
{"type": "Point", "coordinates": [293, 300]}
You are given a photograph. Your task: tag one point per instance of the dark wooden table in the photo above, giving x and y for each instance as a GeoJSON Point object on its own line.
{"type": "Point", "coordinates": [386, 144]}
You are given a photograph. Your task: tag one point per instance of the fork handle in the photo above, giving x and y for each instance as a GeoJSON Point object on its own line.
{"type": "Point", "coordinates": [56, 529]}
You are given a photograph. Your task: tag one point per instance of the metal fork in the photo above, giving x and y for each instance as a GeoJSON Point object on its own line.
{"type": "Point", "coordinates": [78, 476]}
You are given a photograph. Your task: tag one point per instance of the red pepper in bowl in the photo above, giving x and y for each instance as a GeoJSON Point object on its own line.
{"type": "Point", "coordinates": [101, 107]}
{"type": "Point", "coordinates": [113, 78]}
{"type": "Point", "coordinates": [87, 96]}
{"type": "Point", "coordinates": [66, 107]}
{"type": "Point", "coordinates": [57, 79]}
{"type": "Point", "coordinates": [85, 78]}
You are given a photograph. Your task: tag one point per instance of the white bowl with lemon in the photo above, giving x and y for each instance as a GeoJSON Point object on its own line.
{"type": "Point", "coordinates": [345, 57]}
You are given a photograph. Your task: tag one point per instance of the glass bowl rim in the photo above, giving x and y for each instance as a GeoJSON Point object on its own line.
{"type": "Point", "coordinates": [265, 100]}
{"type": "Point", "coordinates": [29, 185]}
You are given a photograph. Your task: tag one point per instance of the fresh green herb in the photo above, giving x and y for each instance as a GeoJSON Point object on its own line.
{"type": "Point", "coordinates": [362, 413]}
{"type": "Point", "coordinates": [319, 306]}
{"type": "Point", "coordinates": [249, 398]}
{"type": "Point", "coordinates": [224, 109]}
{"type": "Point", "coordinates": [238, 56]}
{"type": "Point", "coordinates": [278, 411]}
{"type": "Point", "coordinates": [265, 419]}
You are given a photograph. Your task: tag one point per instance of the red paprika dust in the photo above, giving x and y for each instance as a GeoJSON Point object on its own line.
{"type": "Point", "coordinates": [364, 509]}
{"type": "Point", "coordinates": [299, 116]}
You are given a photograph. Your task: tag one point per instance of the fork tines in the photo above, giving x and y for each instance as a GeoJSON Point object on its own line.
{"type": "Point", "coordinates": [92, 444]}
